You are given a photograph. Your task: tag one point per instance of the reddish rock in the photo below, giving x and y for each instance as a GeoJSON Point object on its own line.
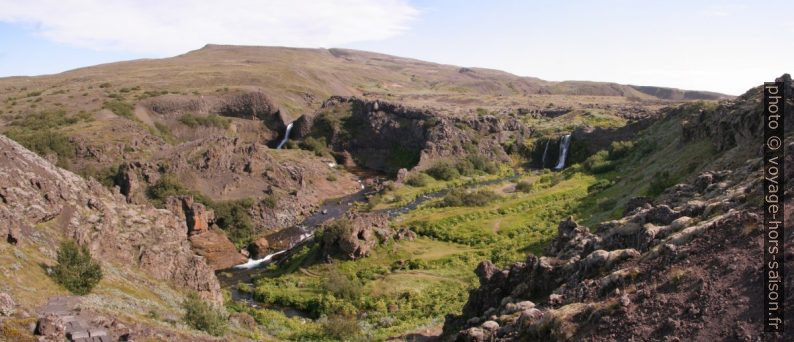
{"type": "Point", "coordinates": [219, 252]}
{"type": "Point", "coordinates": [259, 248]}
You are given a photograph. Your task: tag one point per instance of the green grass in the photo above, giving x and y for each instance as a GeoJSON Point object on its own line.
{"type": "Point", "coordinates": [211, 120]}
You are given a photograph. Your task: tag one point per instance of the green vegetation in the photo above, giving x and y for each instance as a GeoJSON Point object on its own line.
{"type": "Point", "coordinates": [463, 198]}
{"type": "Point", "coordinates": [419, 179]}
{"type": "Point", "coordinates": [469, 166]}
{"type": "Point", "coordinates": [40, 133]}
{"type": "Point", "coordinates": [316, 145]}
{"type": "Point", "coordinates": [660, 182]}
{"type": "Point", "coordinates": [76, 270]}
{"type": "Point", "coordinates": [119, 107]}
{"type": "Point", "coordinates": [443, 171]}
{"type": "Point", "coordinates": [524, 186]}
{"type": "Point", "coordinates": [234, 217]}
{"type": "Point", "coordinates": [212, 120]}
{"type": "Point", "coordinates": [203, 316]}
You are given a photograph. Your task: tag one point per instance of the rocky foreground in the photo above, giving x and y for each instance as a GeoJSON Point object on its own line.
{"type": "Point", "coordinates": [684, 267]}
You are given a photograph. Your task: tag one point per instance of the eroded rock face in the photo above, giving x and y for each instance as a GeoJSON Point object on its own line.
{"type": "Point", "coordinates": [682, 267]}
{"type": "Point", "coordinates": [205, 237]}
{"type": "Point", "coordinates": [35, 191]}
{"type": "Point", "coordinates": [353, 236]}
{"type": "Point", "coordinates": [388, 136]}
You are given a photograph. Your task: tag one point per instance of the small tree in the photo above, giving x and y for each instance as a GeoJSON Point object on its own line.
{"type": "Point", "coordinates": [203, 316]}
{"type": "Point", "coordinates": [76, 270]}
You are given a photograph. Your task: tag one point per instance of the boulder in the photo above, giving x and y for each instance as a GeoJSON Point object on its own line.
{"type": "Point", "coordinates": [216, 248]}
{"type": "Point", "coordinates": [259, 248]}
{"type": "Point", "coordinates": [352, 236]}
{"type": "Point", "coordinates": [7, 304]}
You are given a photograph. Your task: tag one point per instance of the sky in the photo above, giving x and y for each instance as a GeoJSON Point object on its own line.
{"type": "Point", "coordinates": [724, 46]}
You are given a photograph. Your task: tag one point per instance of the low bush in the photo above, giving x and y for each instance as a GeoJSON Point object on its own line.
{"type": "Point", "coordinates": [443, 171]}
{"type": "Point", "coordinates": [463, 198]}
{"type": "Point", "coordinates": [45, 142]}
{"type": "Point", "coordinates": [524, 186]}
{"type": "Point", "coordinates": [620, 149]}
{"type": "Point", "coordinates": [234, 217]}
{"type": "Point", "coordinates": [599, 163]}
{"type": "Point", "coordinates": [76, 270]}
{"type": "Point", "coordinates": [203, 316]}
{"type": "Point", "coordinates": [418, 179]}
{"type": "Point", "coordinates": [316, 145]}
{"type": "Point", "coordinates": [120, 108]}
{"type": "Point", "coordinates": [660, 182]}
{"type": "Point", "coordinates": [599, 185]}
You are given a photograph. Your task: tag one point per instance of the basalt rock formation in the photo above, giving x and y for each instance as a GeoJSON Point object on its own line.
{"type": "Point", "coordinates": [205, 237]}
{"type": "Point", "coordinates": [35, 192]}
{"type": "Point", "coordinates": [684, 266]}
{"type": "Point", "coordinates": [387, 136]}
{"type": "Point", "coordinates": [354, 235]}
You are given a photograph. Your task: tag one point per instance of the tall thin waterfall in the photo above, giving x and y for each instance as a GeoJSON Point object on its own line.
{"type": "Point", "coordinates": [564, 143]}
{"type": "Point", "coordinates": [545, 151]}
{"type": "Point", "coordinates": [286, 136]}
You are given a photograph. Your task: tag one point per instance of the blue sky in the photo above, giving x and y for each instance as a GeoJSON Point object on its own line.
{"type": "Point", "coordinates": [711, 45]}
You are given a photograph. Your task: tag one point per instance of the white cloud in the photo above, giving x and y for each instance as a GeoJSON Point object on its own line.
{"type": "Point", "coordinates": [165, 27]}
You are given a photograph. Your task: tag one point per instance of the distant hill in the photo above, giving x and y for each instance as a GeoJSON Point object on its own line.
{"type": "Point", "coordinates": [298, 79]}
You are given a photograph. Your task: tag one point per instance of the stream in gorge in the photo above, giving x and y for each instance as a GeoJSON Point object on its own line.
{"type": "Point", "coordinates": [300, 234]}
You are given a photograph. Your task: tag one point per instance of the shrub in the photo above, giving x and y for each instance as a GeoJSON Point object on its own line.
{"type": "Point", "coordinates": [203, 316]}
{"type": "Point", "coordinates": [620, 149]}
{"type": "Point", "coordinates": [524, 186]}
{"type": "Point", "coordinates": [342, 327]}
{"type": "Point", "coordinates": [660, 182]}
{"type": "Point", "coordinates": [119, 107]}
{"type": "Point", "coordinates": [316, 145]}
{"type": "Point", "coordinates": [342, 286]}
{"type": "Point", "coordinates": [462, 198]}
{"type": "Point", "coordinates": [599, 185]}
{"type": "Point", "coordinates": [234, 217]}
{"type": "Point", "coordinates": [599, 163]}
{"type": "Point", "coordinates": [45, 142]}
{"type": "Point", "coordinates": [418, 179]}
{"type": "Point", "coordinates": [76, 270]}
{"type": "Point", "coordinates": [483, 164]}
{"type": "Point", "coordinates": [443, 171]}
{"type": "Point", "coordinates": [270, 201]}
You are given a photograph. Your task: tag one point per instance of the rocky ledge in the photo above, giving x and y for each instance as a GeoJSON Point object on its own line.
{"type": "Point", "coordinates": [33, 192]}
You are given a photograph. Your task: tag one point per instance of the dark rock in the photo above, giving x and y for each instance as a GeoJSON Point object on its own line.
{"type": "Point", "coordinates": [636, 202]}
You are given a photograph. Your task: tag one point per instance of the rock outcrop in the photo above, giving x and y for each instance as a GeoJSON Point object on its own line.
{"type": "Point", "coordinates": [35, 192]}
{"type": "Point", "coordinates": [389, 136]}
{"type": "Point", "coordinates": [206, 238]}
{"type": "Point", "coordinates": [684, 266]}
{"type": "Point", "coordinates": [354, 235]}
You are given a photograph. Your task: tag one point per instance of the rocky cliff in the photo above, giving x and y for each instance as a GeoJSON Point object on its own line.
{"type": "Point", "coordinates": [685, 266]}
{"type": "Point", "coordinates": [35, 193]}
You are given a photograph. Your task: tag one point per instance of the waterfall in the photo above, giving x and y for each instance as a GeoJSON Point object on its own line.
{"type": "Point", "coordinates": [545, 151]}
{"type": "Point", "coordinates": [564, 142]}
{"type": "Point", "coordinates": [253, 263]}
{"type": "Point", "coordinates": [286, 136]}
